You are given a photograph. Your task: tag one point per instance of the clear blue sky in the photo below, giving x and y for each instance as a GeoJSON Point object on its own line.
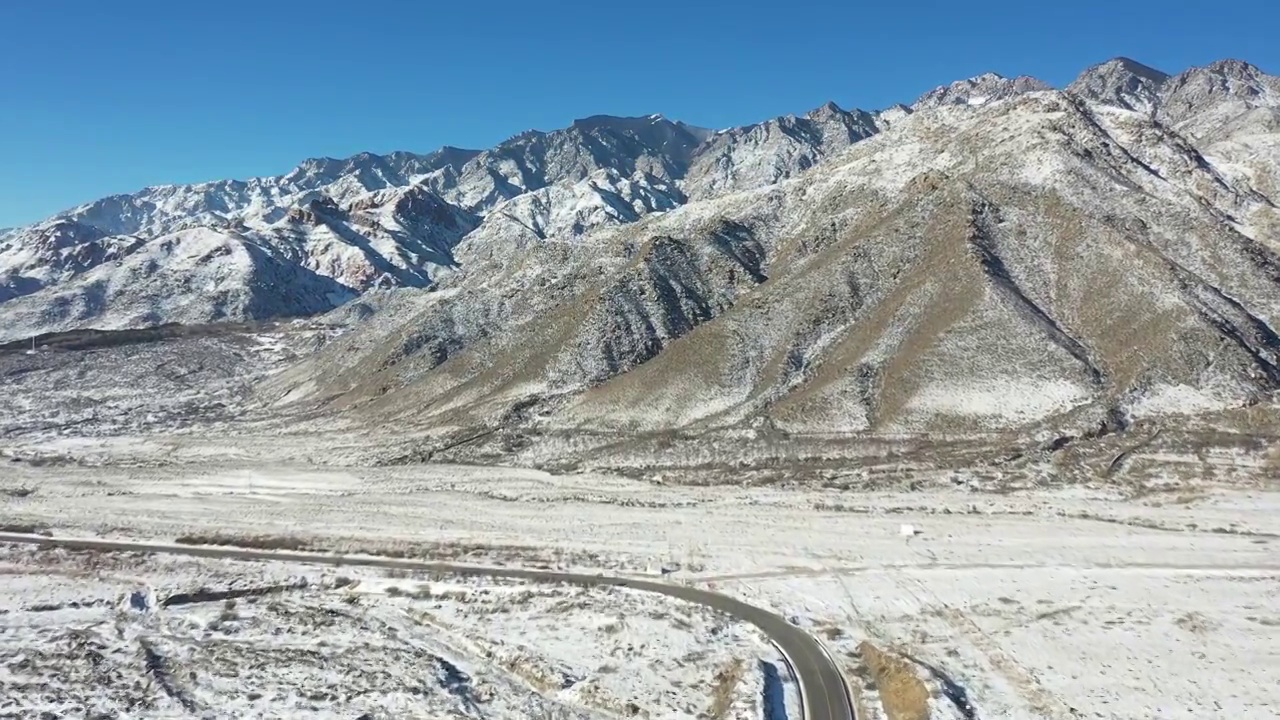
{"type": "Point", "coordinates": [110, 96]}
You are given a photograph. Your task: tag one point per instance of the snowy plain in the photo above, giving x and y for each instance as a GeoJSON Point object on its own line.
{"type": "Point", "coordinates": [1075, 602]}
{"type": "Point", "coordinates": [109, 635]}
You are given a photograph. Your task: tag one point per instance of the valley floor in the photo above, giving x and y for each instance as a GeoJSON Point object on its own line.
{"type": "Point", "coordinates": [1077, 602]}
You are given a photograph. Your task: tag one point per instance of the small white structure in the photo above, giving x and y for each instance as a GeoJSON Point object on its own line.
{"type": "Point", "coordinates": [907, 531]}
{"type": "Point", "coordinates": [32, 351]}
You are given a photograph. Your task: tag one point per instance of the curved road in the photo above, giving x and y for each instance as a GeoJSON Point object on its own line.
{"type": "Point", "coordinates": [822, 686]}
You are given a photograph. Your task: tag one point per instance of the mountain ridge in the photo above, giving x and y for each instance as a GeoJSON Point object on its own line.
{"type": "Point", "coordinates": [457, 156]}
{"type": "Point", "coordinates": [803, 324]}
{"type": "Point", "coordinates": [998, 254]}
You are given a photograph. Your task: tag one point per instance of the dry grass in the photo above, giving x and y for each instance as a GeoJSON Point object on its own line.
{"type": "Point", "coordinates": [857, 673]}
{"type": "Point", "coordinates": [1272, 461]}
{"type": "Point", "coordinates": [831, 632]}
{"type": "Point", "coordinates": [252, 542]}
{"type": "Point", "coordinates": [24, 529]}
{"type": "Point", "coordinates": [1197, 624]}
{"type": "Point", "coordinates": [903, 694]}
{"type": "Point", "coordinates": [860, 706]}
{"type": "Point", "coordinates": [727, 680]}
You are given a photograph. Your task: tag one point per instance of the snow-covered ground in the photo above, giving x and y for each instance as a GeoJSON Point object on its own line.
{"type": "Point", "coordinates": [1076, 602]}
{"type": "Point", "coordinates": [109, 635]}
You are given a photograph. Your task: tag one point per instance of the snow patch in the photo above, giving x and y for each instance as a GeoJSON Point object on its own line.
{"type": "Point", "coordinates": [1017, 400]}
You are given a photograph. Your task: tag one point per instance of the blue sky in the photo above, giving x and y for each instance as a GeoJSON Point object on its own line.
{"type": "Point", "coordinates": [105, 97]}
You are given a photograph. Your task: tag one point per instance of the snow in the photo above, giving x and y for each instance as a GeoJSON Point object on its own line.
{"type": "Point", "coordinates": [1015, 400]}
{"type": "Point", "coordinates": [1179, 400]}
{"type": "Point", "coordinates": [523, 234]}
{"type": "Point", "coordinates": [291, 639]}
{"type": "Point", "coordinates": [1095, 234]}
{"type": "Point", "coordinates": [1031, 642]}
{"type": "Point", "coordinates": [1033, 601]}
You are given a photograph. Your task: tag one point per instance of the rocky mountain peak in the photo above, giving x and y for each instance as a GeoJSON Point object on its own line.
{"type": "Point", "coordinates": [1121, 82]}
{"type": "Point", "coordinates": [828, 109]}
{"type": "Point", "coordinates": [1202, 98]}
{"type": "Point", "coordinates": [64, 232]}
{"type": "Point", "coordinates": [980, 90]}
{"type": "Point", "coordinates": [653, 130]}
{"type": "Point", "coordinates": [1232, 68]}
{"type": "Point", "coordinates": [534, 160]}
{"type": "Point", "coordinates": [757, 155]}
{"type": "Point", "coordinates": [1129, 65]}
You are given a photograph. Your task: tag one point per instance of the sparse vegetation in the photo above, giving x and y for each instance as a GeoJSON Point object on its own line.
{"type": "Point", "coordinates": [858, 676]}
{"type": "Point", "coordinates": [25, 528]}
{"type": "Point", "coordinates": [831, 632]}
{"type": "Point", "coordinates": [1196, 623]}
{"type": "Point", "coordinates": [903, 695]}
{"type": "Point", "coordinates": [723, 687]}
{"type": "Point", "coordinates": [252, 542]}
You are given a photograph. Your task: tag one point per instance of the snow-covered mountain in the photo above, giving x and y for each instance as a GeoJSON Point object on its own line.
{"type": "Point", "coordinates": [369, 220]}
{"type": "Point", "coordinates": [1038, 259]}
{"type": "Point", "coordinates": [980, 90]}
{"type": "Point", "coordinates": [260, 201]}
{"type": "Point", "coordinates": [533, 160]}
{"type": "Point", "coordinates": [759, 155]}
{"type": "Point", "coordinates": [999, 252]}
{"type": "Point", "coordinates": [569, 210]}
{"type": "Point", "coordinates": [65, 274]}
{"type": "Point", "coordinates": [1121, 82]}
{"type": "Point", "coordinates": [1200, 100]}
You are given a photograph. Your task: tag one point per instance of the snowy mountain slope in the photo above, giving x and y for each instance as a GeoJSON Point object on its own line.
{"type": "Point", "coordinates": [997, 255]}
{"type": "Point", "coordinates": [323, 252]}
{"type": "Point", "coordinates": [369, 219]}
{"type": "Point", "coordinates": [166, 208]}
{"type": "Point", "coordinates": [993, 266]}
{"type": "Point", "coordinates": [1121, 82]}
{"type": "Point", "coordinates": [980, 90]}
{"type": "Point", "coordinates": [1231, 111]}
{"type": "Point", "coordinates": [1245, 149]}
{"type": "Point", "coordinates": [650, 164]}
{"type": "Point", "coordinates": [52, 250]}
{"type": "Point", "coordinates": [191, 276]}
{"type": "Point", "coordinates": [533, 160]}
{"type": "Point", "coordinates": [1200, 100]}
{"type": "Point", "coordinates": [568, 210]}
{"type": "Point", "coordinates": [763, 154]}
{"type": "Point", "coordinates": [399, 236]}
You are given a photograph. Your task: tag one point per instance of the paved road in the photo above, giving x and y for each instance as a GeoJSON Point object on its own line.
{"type": "Point", "coordinates": [822, 686]}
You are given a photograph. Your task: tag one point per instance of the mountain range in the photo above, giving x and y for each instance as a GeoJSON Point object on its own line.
{"type": "Point", "coordinates": [997, 254]}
